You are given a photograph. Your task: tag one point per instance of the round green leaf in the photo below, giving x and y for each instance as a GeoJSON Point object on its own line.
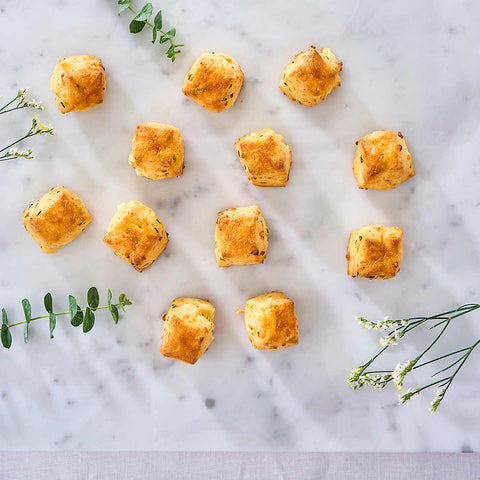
{"type": "Point", "coordinates": [92, 298]}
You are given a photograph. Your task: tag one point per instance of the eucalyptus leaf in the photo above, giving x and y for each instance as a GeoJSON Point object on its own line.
{"type": "Point", "coordinates": [109, 297]}
{"type": "Point", "coordinates": [123, 5]}
{"type": "Point", "coordinates": [77, 319]}
{"type": "Point", "coordinates": [167, 36]}
{"type": "Point", "coordinates": [114, 312]}
{"type": "Point", "coordinates": [72, 306]}
{"type": "Point", "coordinates": [145, 13]}
{"type": "Point", "coordinates": [4, 317]}
{"type": "Point", "coordinates": [52, 320]}
{"type": "Point", "coordinates": [92, 298]}
{"type": "Point", "coordinates": [136, 27]}
{"type": "Point", "coordinates": [47, 302]}
{"type": "Point", "coordinates": [88, 320]}
{"type": "Point", "coordinates": [27, 311]}
{"type": "Point", "coordinates": [6, 336]}
{"type": "Point", "coordinates": [157, 22]}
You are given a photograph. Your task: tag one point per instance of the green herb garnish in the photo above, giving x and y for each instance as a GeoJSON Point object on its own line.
{"type": "Point", "coordinates": [141, 19]}
{"type": "Point", "coordinates": [78, 316]}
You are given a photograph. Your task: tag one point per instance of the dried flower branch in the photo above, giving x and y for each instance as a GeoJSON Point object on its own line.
{"type": "Point", "coordinates": [20, 101]}
{"type": "Point", "coordinates": [362, 376]}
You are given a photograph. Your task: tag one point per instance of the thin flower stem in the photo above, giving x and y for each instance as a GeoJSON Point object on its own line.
{"type": "Point", "coordinates": [12, 109]}
{"type": "Point", "coordinates": [461, 365]}
{"type": "Point", "coordinates": [9, 103]}
{"type": "Point", "coordinates": [440, 358]}
{"type": "Point", "coordinates": [29, 134]}
{"type": "Point", "coordinates": [60, 313]}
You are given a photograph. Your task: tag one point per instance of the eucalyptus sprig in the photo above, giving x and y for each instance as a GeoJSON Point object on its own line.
{"type": "Point", "coordinates": [78, 316]}
{"type": "Point", "coordinates": [378, 379]}
{"type": "Point", "coordinates": [20, 101]}
{"type": "Point", "coordinates": [141, 19]}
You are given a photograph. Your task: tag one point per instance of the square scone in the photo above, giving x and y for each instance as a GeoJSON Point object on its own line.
{"type": "Point", "coordinates": [188, 329]}
{"type": "Point", "coordinates": [265, 157]}
{"type": "Point", "coordinates": [271, 321]}
{"type": "Point", "coordinates": [157, 151]}
{"type": "Point", "coordinates": [241, 237]}
{"type": "Point", "coordinates": [375, 252]}
{"type": "Point", "coordinates": [382, 161]}
{"type": "Point", "coordinates": [136, 235]}
{"type": "Point", "coordinates": [56, 219]}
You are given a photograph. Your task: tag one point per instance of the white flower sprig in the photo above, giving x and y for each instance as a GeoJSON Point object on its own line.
{"type": "Point", "coordinates": [10, 152]}
{"type": "Point", "coordinates": [22, 102]}
{"type": "Point", "coordinates": [378, 379]}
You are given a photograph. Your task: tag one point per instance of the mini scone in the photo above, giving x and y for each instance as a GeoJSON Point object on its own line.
{"type": "Point", "coordinates": [311, 76]}
{"type": "Point", "coordinates": [382, 161]}
{"type": "Point", "coordinates": [265, 157]}
{"type": "Point", "coordinates": [241, 237]}
{"type": "Point", "coordinates": [136, 235]}
{"type": "Point", "coordinates": [271, 321]}
{"type": "Point", "coordinates": [56, 219]}
{"type": "Point", "coordinates": [188, 329]}
{"type": "Point", "coordinates": [157, 151]}
{"type": "Point", "coordinates": [214, 81]}
{"type": "Point", "coordinates": [79, 83]}
{"type": "Point", "coordinates": [375, 252]}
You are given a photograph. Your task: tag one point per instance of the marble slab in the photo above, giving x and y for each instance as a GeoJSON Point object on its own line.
{"type": "Point", "coordinates": [410, 66]}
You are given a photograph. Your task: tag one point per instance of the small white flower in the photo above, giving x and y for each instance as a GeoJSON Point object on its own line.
{"type": "Point", "coordinates": [21, 94]}
{"type": "Point", "coordinates": [400, 372]}
{"type": "Point", "coordinates": [436, 401]}
{"type": "Point", "coordinates": [13, 151]}
{"type": "Point", "coordinates": [408, 395]}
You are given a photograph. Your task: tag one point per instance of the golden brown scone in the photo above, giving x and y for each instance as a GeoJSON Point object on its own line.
{"type": "Point", "coordinates": [188, 329]}
{"type": "Point", "coordinates": [382, 161]}
{"type": "Point", "coordinates": [241, 237]}
{"type": "Point", "coordinates": [136, 235]}
{"type": "Point", "coordinates": [157, 151]}
{"type": "Point", "coordinates": [56, 219]}
{"type": "Point", "coordinates": [265, 157]}
{"type": "Point", "coordinates": [79, 83]}
{"type": "Point", "coordinates": [375, 252]}
{"type": "Point", "coordinates": [311, 76]}
{"type": "Point", "coordinates": [214, 81]}
{"type": "Point", "coordinates": [271, 321]}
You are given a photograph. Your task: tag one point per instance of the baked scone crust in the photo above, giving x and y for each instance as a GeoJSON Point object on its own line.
{"type": "Point", "coordinates": [241, 237]}
{"type": "Point", "coordinates": [157, 151]}
{"type": "Point", "coordinates": [265, 157]}
{"type": "Point", "coordinates": [188, 329]}
{"type": "Point", "coordinates": [214, 81]}
{"type": "Point", "coordinates": [271, 321]}
{"type": "Point", "coordinates": [79, 83]}
{"type": "Point", "coordinates": [55, 219]}
{"type": "Point", "coordinates": [382, 161]}
{"type": "Point", "coordinates": [311, 76]}
{"type": "Point", "coordinates": [136, 235]}
{"type": "Point", "coordinates": [375, 252]}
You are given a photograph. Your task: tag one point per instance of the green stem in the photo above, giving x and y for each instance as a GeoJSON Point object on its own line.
{"type": "Point", "coordinates": [11, 109]}
{"type": "Point", "coordinates": [440, 358]}
{"type": "Point", "coordinates": [9, 103]}
{"type": "Point", "coordinates": [29, 134]}
{"type": "Point", "coordinates": [60, 313]}
{"type": "Point", "coordinates": [461, 365]}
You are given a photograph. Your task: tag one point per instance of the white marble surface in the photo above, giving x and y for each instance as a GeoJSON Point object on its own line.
{"type": "Point", "coordinates": [410, 66]}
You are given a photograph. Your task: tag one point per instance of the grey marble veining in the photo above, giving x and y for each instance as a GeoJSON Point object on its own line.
{"type": "Point", "coordinates": [410, 66]}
